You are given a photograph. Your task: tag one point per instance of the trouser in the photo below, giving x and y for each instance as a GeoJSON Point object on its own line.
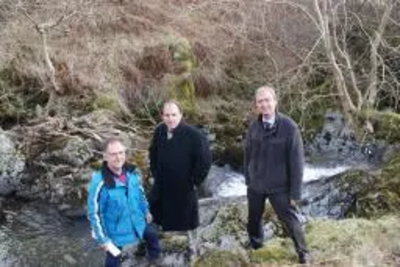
{"type": "Point", "coordinates": [287, 215]}
{"type": "Point", "coordinates": [150, 237]}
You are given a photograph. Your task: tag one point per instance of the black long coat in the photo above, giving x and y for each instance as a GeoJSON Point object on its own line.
{"type": "Point", "coordinates": [178, 165]}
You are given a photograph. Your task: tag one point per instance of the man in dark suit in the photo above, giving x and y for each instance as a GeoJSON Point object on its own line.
{"type": "Point", "coordinates": [180, 160]}
{"type": "Point", "coordinates": [273, 167]}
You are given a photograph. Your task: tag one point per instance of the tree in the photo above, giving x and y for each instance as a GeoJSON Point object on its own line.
{"type": "Point", "coordinates": [354, 42]}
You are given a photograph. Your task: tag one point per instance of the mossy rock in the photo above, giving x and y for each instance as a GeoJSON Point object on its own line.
{"type": "Point", "coordinates": [174, 243]}
{"type": "Point", "coordinates": [382, 196]}
{"type": "Point", "coordinates": [277, 250]}
{"type": "Point", "coordinates": [181, 84]}
{"type": "Point", "coordinates": [221, 258]}
{"type": "Point", "coordinates": [231, 221]}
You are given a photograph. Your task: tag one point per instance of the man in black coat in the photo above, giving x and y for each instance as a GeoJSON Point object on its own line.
{"type": "Point", "coordinates": [273, 167]}
{"type": "Point", "coordinates": [180, 160]}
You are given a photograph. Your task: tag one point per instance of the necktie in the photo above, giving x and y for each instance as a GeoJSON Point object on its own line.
{"type": "Point", "coordinates": [266, 125]}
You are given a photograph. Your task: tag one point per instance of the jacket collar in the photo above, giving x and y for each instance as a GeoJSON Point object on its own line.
{"type": "Point", "coordinates": [108, 175]}
{"type": "Point", "coordinates": [178, 128]}
{"type": "Point", "coordinates": [274, 128]}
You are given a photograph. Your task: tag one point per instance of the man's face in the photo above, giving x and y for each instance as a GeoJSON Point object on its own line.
{"type": "Point", "coordinates": [115, 155]}
{"type": "Point", "coordinates": [265, 103]}
{"type": "Point", "coordinates": [171, 116]}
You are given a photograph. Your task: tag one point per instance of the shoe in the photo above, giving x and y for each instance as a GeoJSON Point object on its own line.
{"type": "Point", "coordinates": [304, 258]}
{"type": "Point", "coordinates": [254, 245]}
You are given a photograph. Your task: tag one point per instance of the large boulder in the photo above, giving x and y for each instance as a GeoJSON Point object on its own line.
{"type": "Point", "coordinates": [11, 165]}
{"type": "Point", "coordinates": [334, 196]}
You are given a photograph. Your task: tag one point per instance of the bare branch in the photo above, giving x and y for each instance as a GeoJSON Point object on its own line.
{"type": "Point", "coordinates": [302, 8]}
{"type": "Point", "coordinates": [28, 16]}
{"type": "Point", "coordinates": [372, 91]}
{"type": "Point", "coordinates": [62, 18]}
{"type": "Point", "coordinates": [323, 18]}
{"type": "Point", "coordinates": [343, 53]}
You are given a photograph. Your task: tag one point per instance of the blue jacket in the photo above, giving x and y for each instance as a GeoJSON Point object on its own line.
{"type": "Point", "coordinates": [117, 213]}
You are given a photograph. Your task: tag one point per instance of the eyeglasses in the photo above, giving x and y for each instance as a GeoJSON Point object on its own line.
{"type": "Point", "coordinates": [115, 154]}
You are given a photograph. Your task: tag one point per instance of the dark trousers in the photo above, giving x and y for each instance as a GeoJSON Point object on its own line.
{"type": "Point", "coordinates": [150, 237]}
{"type": "Point", "coordinates": [286, 214]}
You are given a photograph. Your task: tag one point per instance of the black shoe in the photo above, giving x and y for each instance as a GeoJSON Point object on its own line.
{"type": "Point", "coordinates": [304, 258]}
{"type": "Point", "coordinates": [254, 245]}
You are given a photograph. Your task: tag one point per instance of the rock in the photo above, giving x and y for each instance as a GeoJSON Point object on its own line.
{"type": "Point", "coordinates": [333, 196]}
{"type": "Point", "coordinates": [380, 194]}
{"type": "Point", "coordinates": [11, 165]}
{"type": "Point", "coordinates": [71, 150]}
{"type": "Point", "coordinates": [229, 224]}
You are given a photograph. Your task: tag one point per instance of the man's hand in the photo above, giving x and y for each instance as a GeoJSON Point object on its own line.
{"type": "Point", "coordinates": [149, 218]}
{"type": "Point", "coordinates": [294, 203]}
{"type": "Point", "coordinates": [103, 247]}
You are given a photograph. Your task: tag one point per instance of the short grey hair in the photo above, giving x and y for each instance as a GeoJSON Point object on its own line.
{"type": "Point", "coordinates": [269, 89]}
{"type": "Point", "coordinates": [112, 140]}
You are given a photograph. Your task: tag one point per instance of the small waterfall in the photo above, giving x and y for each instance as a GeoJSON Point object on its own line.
{"type": "Point", "coordinates": [224, 182]}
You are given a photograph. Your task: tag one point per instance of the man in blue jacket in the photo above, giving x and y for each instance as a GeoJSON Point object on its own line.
{"type": "Point", "coordinates": [117, 207]}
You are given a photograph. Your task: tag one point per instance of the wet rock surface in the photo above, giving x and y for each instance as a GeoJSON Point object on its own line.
{"type": "Point", "coordinates": [12, 163]}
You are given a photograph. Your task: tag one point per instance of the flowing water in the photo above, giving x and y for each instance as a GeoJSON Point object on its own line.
{"type": "Point", "coordinates": [36, 235]}
{"type": "Point", "coordinates": [225, 183]}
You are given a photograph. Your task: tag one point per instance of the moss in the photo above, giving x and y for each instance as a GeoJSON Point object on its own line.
{"type": "Point", "coordinates": [328, 236]}
{"type": "Point", "coordinates": [351, 238]}
{"type": "Point", "coordinates": [174, 243]}
{"type": "Point", "coordinates": [106, 101]}
{"type": "Point", "coordinates": [181, 85]}
{"type": "Point", "coordinates": [220, 258]}
{"type": "Point", "coordinates": [277, 250]}
{"type": "Point", "coordinates": [230, 221]}
{"type": "Point", "coordinates": [58, 143]}
{"type": "Point", "coordinates": [382, 196]}
{"type": "Point", "coordinates": [338, 243]}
